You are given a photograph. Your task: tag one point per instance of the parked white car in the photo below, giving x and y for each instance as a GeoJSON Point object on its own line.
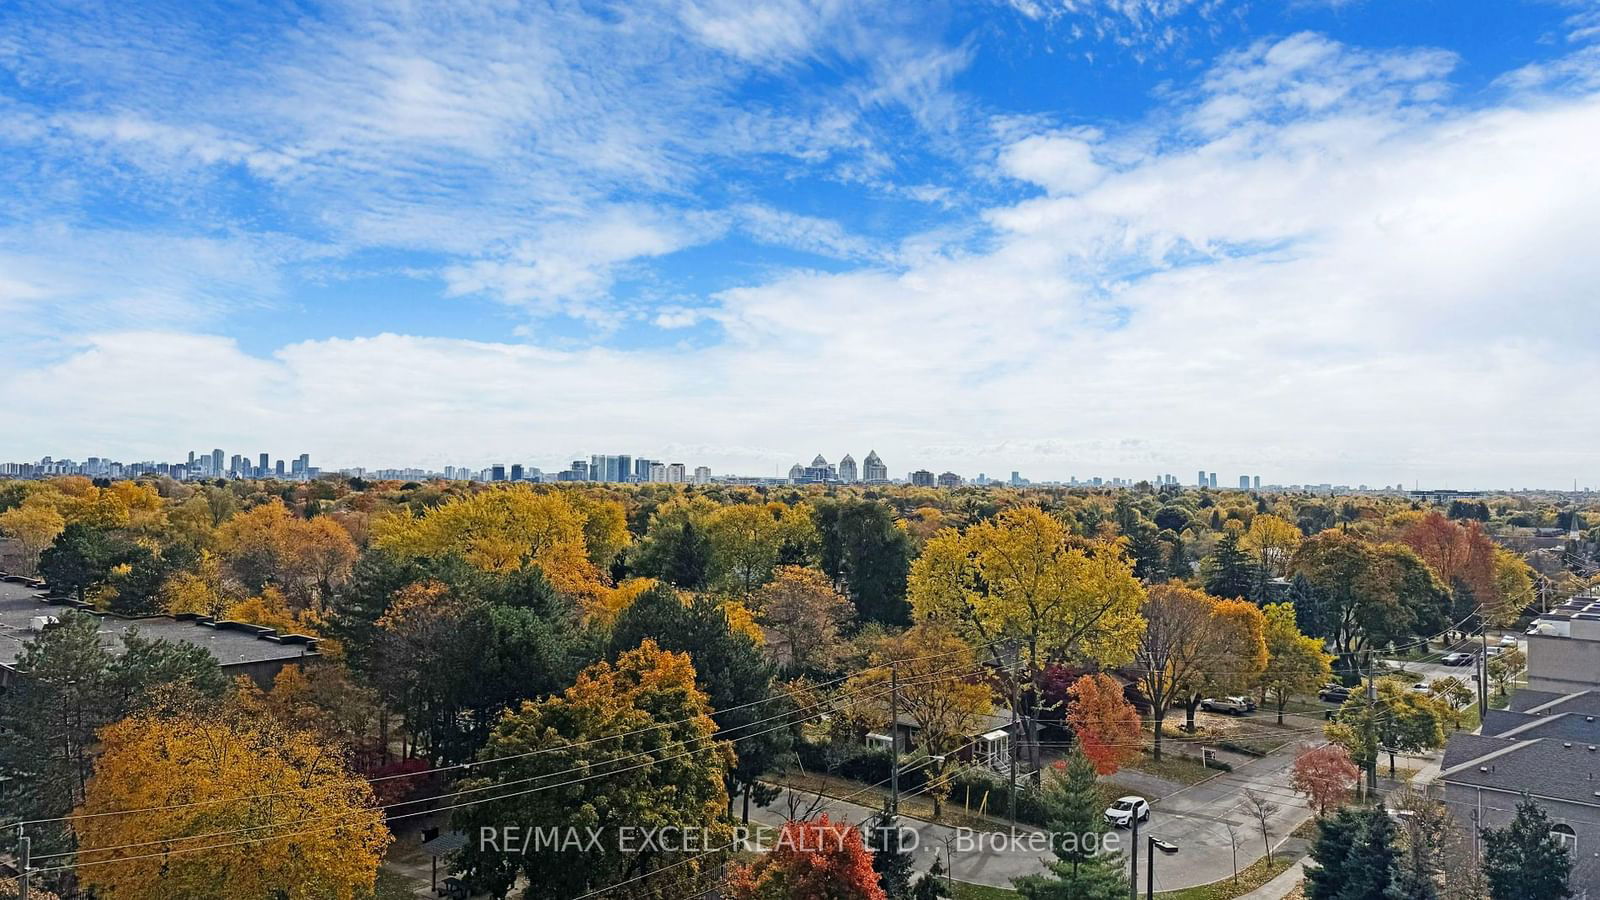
{"type": "Point", "coordinates": [1236, 706]}
{"type": "Point", "coordinates": [1122, 813]}
{"type": "Point", "coordinates": [1508, 641]}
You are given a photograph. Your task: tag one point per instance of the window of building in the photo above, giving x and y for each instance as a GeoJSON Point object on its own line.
{"type": "Point", "coordinates": [1568, 838]}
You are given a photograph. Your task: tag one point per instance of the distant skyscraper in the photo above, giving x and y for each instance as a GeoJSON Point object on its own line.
{"type": "Point", "coordinates": [516, 471]}
{"type": "Point", "coordinates": [265, 466]}
{"type": "Point", "coordinates": [1016, 478]}
{"type": "Point", "coordinates": [1213, 479]}
{"type": "Point", "coordinates": [1244, 482]}
{"type": "Point", "coordinates": [497, 472]}
{"type": "Point", "coordinates": [279, 470]}
{"type": "Point", "coordinates": [922, 478]}
{"type": "Point", "coordinates": [657, 472]}
{"type": "Point", "coordinates": [702, 475]}
{"type": "Point", "coordinates": [847, 468]}
{"type": "Point", "coordinates": [579, 470]}
{"type": "Point", "coordinates": [1258, 482]}
{"type": "Point", "coordinates": [949, 480]}
{"type": "Point", "coordinates": [610, 469]}
{"type": "Point", "coordinates": [873, 471]}
{"type": "Point", "coordinates": [1200, 480]}
{"type": "Point", "coordinates": [216, 462]}
{"type": "Point", "coordinates": [676, 473]}
{"type": "Point", "coordinates": [641, 468]}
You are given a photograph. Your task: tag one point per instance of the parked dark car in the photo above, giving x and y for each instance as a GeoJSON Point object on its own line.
{"type": "Point", "coordinates": [1334, 693]}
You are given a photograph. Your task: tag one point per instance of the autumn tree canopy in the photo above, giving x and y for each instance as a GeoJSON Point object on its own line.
{"type": "Point", "coordinates": [317, 833]}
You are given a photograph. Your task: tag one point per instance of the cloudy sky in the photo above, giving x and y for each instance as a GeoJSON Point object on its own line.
{"type": "Point", "coordinates": [1319, 241]}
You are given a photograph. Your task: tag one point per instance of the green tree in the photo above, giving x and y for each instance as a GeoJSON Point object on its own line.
{"type": "Point", "coordinates": [69, 686]}
{"type": "Point", "coordinates": [1398, 720]}
{"type": "Point", "coordinates": [1076, 818]}
{"type": "Point", "coordinates": [890, 860]}
{"type": "Point", "coordinates": [1229, 573]}
{"type": "Point", "coordinates": [644, 732]}
{"type": "Point", "coordinates": [1355, 856]}
{"type": "Point", "coordinates": [1296, 663]}
{"type": "Point", "coordinates": [80, 558]}
{"type": "Point", "coordinates": [729, 667]}
{"type": "Point", "coordinates": [1524, 860]}
{"type": "Point", "coordinates": [676, 550]}
{"type": "Point", "coordinates": [868, 556]}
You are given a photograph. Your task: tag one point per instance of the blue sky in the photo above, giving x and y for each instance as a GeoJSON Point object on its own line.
{"type": "Point", "coordinates": [1311, 240]}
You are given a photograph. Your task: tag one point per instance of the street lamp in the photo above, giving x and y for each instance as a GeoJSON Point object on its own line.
{"type": "Point", "coordinates": [1166, 847]}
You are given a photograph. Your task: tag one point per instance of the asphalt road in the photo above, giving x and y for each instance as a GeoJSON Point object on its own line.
{"type": "Point", "coordinates": [1212, 823]}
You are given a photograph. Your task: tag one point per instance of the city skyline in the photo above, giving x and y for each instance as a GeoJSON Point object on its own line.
{"type": "Point", "coordinates": [628, 468]}
{"type": "Point", "coordinates": [1326, 237]}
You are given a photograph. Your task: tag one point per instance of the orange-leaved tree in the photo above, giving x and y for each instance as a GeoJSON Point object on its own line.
{"type": "Point", "coordinates": [1325, 775]}
{"type": "Point", "coordinates": [815, 859]}
{"type": "Point", "coordinates": [1104, 723]}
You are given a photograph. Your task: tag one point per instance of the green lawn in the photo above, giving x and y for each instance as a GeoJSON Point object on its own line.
{"type": "Point", "coordinates": [1172, 767]}
{"type": "Point", "coordinates": [965, 891]}
{"type": "Point", "coordinates": [1250, 878]}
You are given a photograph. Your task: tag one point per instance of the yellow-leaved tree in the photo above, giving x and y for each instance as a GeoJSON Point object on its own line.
{"type": "Point", "coordinates": [34, 526]}
{"type": "Point", "coordinates": [1019, 584]}
{"type": "Point", "coordinates": [310, 831]}
{"type": "Point", "coordinates": [501, 530]}
{"type": "Point", "coordinates": [1019, 577]}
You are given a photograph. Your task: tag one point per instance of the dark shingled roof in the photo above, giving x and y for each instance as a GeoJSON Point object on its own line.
{"type": "Point", "coordinates": [1524, 700]}
{"type": "Point", "coordinates": [1544, 767]}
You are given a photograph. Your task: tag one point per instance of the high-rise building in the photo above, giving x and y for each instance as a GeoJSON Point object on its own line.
{"type": "Point", "coordinates": [873, 471]}
{"type": "Point", "coordinates": [847, 469]}
{"type": "Point", "coordinates": [516, 471]}
{"type": "Point", "coordinates": [579, 470]}
{"type": "Point", "coordinates": [641, 468]}
{"type": "Point", "coordinates": [1244, 482]}
{"type": "Point", "coordinates": [949, 480]}
{"type": "Point", "coordinates": [657, 472]}
{"type": "Point", "coordinates": [922, 478]}
{"type": "Point", "coordinates": [1213, 479]}
{"type": "Point", "coordinates": [216, 462]}
{"type": "Point", "coordinates": [1016, 478]}
{"type": "Point", "coordinates": [278, 470]}
{"type": "Point", "coordinates": [1200, 480]}
{"type": "Point", "coordinates": [1258, 482]}
{"type": "Point", "coordinates": [676, 473]}
{"type": "Point", "coordinates": [265, 465]}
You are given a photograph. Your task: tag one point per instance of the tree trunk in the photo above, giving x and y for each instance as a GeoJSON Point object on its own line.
{"type": "Point", "coordinates": [1160, 717]}
{"type": "Point", "coordinates": [1190, 705]}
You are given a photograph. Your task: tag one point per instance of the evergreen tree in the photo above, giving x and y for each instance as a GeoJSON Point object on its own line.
{"type": "Point", "coordinates": [867, 556]}
{"type": "Point", "coordinates": [1149, 558]}
{"type": "Point", "coordinates": [1082, 869]}
{"type": "Point", "coordinates": [1231, 574]}
{"type": "Point", "coordinates": [1369, 869]}
{"type": "Point", "coordinates": [1524, 861]}
{"type": "Point", "coordinates": [891, 861]}
{"type": "Point", "coordinates": [678, 553]}
{"type": "Point", "coordinates": [1308, 609]}
{"type": "Point", "coordinates": [729, 667]}
{"type": "Point", "coordinates": [1330, 849]}
{"type": "Point", "coordinates": [933, 885]}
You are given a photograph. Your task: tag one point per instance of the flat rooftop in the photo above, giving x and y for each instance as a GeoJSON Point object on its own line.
{"type": "Point", "coordinates": [232, 644]}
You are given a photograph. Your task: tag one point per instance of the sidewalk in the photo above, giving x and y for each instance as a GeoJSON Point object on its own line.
{"type": "Point", "coordinates": [1279, 887]}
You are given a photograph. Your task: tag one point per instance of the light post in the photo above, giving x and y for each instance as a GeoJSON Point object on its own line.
{"type": "Point", "coordinates": [1166, 847]}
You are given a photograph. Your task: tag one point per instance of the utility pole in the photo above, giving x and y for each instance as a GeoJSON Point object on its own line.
{"type": "Point", "coordinates": [1483, 678]}
{"type": "Point", "coordinates": [24, 862]}
{"type": "Point", "coordinates": [1133, 855]}
{"type": "Point", "coordinates": [894, 739]}
{"type": "Point", "coordinates": [1011, 742]}
{"type": "Point", "coordinates": [1372, 731]}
